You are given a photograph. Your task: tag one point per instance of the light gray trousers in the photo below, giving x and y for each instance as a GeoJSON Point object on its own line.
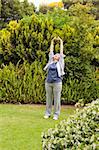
{"type": "Point", "coordinates": [53, 91]}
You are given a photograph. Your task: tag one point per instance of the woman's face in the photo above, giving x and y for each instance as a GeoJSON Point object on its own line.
{"type": "Point", "coordinates": [56, 57]}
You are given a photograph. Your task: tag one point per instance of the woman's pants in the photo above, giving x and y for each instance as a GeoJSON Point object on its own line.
{"type": "Point", "coordinates": [53, 91]}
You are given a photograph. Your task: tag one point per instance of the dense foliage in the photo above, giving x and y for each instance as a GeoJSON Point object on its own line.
{"type": "Point", "coordinates": [22, 84]}
{"type": "Point", "coordinates": [24, 48]}
{"type": "Point", "coordinates": [14, 10]}
{"type": "Point", "coordinates": [79, 132]}
{"type": "Point", "coordinates": [95, 3]}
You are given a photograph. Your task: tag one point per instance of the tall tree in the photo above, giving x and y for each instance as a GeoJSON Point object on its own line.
{"type": "Point", "coordinates": [14, 10]}
{"type": "Point", "coordinates": [27, 8]}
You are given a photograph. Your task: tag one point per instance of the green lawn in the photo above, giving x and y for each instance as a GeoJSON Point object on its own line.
{"type": "Point", "coordinates": [21, 125]}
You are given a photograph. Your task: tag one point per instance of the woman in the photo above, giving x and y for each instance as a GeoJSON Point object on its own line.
{"type": "Point", "coordinates": [53, 83]}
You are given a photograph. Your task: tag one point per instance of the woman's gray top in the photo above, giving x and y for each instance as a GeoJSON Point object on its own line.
{"type": "Point", "coordinates": [59, 65]}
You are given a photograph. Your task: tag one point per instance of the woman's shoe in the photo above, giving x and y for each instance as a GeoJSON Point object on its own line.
{"type": "Point", "coordinates": [46, 117]}
{"type": "Point", "coordinates": [55, 118]}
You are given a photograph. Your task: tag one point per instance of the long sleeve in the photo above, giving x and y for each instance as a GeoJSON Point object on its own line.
{"type": "Point", "coordinates": [61, 47]}
{"type": "Point", "coordinates": [51, 53]}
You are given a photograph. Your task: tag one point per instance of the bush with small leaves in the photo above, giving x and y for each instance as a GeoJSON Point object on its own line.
{"type": "Point", "coordinates": [79, 132]}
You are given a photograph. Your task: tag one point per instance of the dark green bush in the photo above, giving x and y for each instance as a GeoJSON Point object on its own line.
{"type": "Point", "coordinates": [14, 10]}
{"type": "Point", "coordinates": [79, 132]}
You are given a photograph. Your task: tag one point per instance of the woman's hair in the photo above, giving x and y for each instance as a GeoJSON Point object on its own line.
{"type": "Point", "coordinates": [56, 54]}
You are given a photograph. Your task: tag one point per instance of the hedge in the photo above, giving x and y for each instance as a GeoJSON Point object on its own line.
{"type": "Point", "coordinates": [24, 45]}
{"type": "Point", "coordinates": [20, 84]}
{"type": "Point", "coordinates": [79, 132]}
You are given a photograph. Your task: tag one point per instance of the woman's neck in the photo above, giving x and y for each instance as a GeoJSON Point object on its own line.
{"type": "Point", "coordinates": [55, 61]}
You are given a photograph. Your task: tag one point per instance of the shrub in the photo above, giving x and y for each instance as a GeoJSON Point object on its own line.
{"type": "Point", "coordinates": [95, 3]}
{"type": "Point", "coordinates": [22, 83]}
{"type": "Point", "coordinates": [79, 132]}
{"type": "Point", "coordinates": [75, 90]}
{"type": "Point", "coordinates": [28, 40]}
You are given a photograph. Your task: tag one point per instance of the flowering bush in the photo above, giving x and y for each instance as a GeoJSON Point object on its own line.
{"type": "Point", "coordinates": [79, 132]}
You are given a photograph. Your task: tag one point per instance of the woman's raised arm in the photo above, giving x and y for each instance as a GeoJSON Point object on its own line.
{"type": "Point", "coordinates": [61, 45]}
{"type": "Point", "coordinates": [52, 45]}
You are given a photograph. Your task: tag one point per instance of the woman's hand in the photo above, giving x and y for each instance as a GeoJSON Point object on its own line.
{"type": "Point", "coordinates": [54, 38]}
{"type": "Point", "coordinates": [59, 39]}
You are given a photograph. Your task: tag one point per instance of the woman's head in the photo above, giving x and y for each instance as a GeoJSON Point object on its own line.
{"type": "Point", "coordinates": [56, 57]}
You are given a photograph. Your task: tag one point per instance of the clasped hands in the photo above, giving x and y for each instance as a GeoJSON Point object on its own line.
{"type": "Point", "coordinates": [57, 38]}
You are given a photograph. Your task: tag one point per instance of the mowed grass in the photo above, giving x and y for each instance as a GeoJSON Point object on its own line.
{"type": "Point", "coordinates": [21, 125]}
